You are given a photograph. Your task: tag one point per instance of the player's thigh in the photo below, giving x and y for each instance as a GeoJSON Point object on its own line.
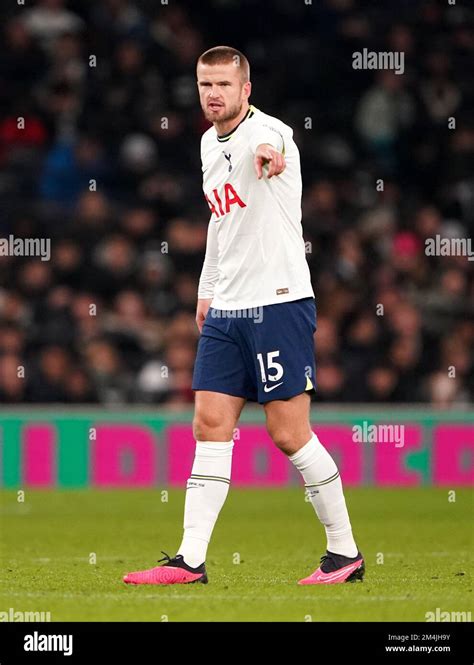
{"type": "Point", "coordinates": [283, 350]}
{"type": "Point", "coordinates": [216, 415]}
{"type": "Point", "coordinates": [288, 422]}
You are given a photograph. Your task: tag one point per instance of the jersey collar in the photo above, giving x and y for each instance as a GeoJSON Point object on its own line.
{"type": "Point", "coordinates": [228, 136]}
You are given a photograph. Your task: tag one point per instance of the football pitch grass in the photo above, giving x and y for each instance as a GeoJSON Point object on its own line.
{"type": "Point", "coordinates": [417, 546]}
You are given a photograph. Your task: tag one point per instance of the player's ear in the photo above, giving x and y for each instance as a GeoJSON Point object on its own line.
{"type": "Point", "coordinates": [247, 89]}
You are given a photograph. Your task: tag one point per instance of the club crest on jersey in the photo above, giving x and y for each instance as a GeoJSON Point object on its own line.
{"type": "Point", "coordinates": [220, 204]}
{"type": "Point", "coordinates": [228, 157]}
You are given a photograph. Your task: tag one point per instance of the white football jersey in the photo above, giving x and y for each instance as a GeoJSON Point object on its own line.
{"type": "Point", "coordinates": [255, 252]}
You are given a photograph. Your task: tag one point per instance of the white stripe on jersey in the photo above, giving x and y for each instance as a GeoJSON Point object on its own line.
{"type": "Point", "coordinates": [255, 251]}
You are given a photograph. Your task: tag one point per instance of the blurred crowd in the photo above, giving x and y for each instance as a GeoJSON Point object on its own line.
{"type": "Point", "coordinates": [99, 151]}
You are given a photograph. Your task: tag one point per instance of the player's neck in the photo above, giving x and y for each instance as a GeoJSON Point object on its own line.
{"type": "Point", "coordinates": [228, 126]}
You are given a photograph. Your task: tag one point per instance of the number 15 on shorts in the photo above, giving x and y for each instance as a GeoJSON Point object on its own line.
{"type": "Point", "coordinates": [273, 370]}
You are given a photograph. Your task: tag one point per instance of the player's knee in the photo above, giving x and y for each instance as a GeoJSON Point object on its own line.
{"type": "Point", "coordinates": [208, 427]}
{"type": "Point", "coordinates": [282, 437]}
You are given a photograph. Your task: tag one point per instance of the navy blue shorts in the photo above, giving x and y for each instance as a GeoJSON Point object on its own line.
{"type": "Point", "coordinates": [262, 354]}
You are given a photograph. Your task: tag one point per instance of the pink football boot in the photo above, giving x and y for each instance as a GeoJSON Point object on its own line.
{"type": "Point", "coordinates": [335, 569]}
{"type": "Point", "coordinates": [174, 571]}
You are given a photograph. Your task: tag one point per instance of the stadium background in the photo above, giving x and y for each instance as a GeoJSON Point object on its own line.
{"type": "Point", "coordinates": [131, 123]}
{"type": "Point", "coordinates": [107, 166]}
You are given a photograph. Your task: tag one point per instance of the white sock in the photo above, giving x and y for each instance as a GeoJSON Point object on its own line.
{"type": "Point", "coordinates": [206, 493]}
{"type": "Point", "coordinates": [324, 487]}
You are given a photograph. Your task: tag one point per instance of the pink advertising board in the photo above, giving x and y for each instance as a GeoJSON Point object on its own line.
{"type": "Point", "coordinates": [146, 454]}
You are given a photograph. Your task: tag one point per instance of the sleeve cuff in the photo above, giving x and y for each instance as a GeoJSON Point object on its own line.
{"type": "Point", "coordinates": [267, 135]}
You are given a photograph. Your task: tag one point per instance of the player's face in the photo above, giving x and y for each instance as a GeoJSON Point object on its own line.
{"type": "Point", "coordinates": [221, 91]}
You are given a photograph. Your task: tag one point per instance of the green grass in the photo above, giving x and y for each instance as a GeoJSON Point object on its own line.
{"type": "Point", "coordinates": [424, 539]}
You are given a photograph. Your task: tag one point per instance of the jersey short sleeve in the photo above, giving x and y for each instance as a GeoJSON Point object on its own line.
{"type": "Point", "coordinates": [262, 131]}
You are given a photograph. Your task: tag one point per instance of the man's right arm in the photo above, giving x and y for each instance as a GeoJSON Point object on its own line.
{"type": "Point", "coordinates": [209, 275]}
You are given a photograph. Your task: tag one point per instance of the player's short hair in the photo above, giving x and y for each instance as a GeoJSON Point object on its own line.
{"type": "Point", "coordinates": [225, 55]}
